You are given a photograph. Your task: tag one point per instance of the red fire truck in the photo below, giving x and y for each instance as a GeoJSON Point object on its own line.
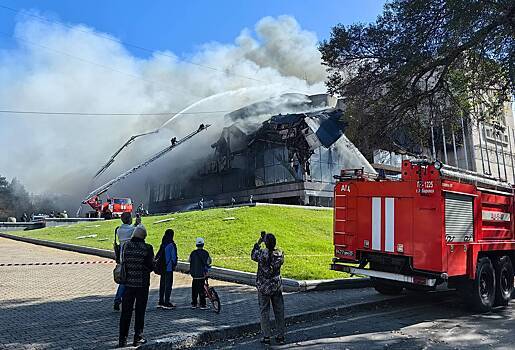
{"type": "Point", "coordinates": [111, 208]}
{"type": "Point", "coordinates": [434, 224]}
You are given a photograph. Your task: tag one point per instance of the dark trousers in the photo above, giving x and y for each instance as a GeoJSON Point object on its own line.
{"type": "Point", "coordinates": [165, 287]}
{"type": "Point", "coordinates": [138, 296]}
{"type": "Point", "coordinates": [197, 291]}
{"type": "Point", "coordinates": [276, 299]}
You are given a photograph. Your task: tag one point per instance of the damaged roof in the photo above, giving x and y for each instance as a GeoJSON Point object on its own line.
{"type": "Point", "coordinates": [326, 125]}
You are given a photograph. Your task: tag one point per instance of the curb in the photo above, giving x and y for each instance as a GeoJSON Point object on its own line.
{"type": "Point", "coordinates": [241, 277]}
{"type": "Point", "coordinates": [62, 246]}
{"type": "Point", "coordinates": [236, 331]}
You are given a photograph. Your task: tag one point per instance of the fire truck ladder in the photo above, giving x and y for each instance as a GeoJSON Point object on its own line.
{"type": "Point", "coordinates": [156, 156]}
{"type": "Point", "coordinates": [482, 182]}
{"type": "Point", "coordinates": [129, 141]}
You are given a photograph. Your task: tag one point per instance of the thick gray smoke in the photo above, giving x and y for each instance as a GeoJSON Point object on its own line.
{"type": "Point", "coordinates": [61, 68]}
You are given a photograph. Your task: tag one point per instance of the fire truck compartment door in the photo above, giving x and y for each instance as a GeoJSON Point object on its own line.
{"type": "Point", "coordinates": [459, 218]}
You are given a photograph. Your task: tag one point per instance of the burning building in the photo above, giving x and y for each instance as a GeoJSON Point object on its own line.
{"type": "Point", "coordinates": [286, 158]}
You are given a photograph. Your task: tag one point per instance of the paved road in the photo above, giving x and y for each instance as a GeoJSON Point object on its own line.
{"type": "Point", "coordinates": [60, 305]}
{"type": "Point", "coordinates": [438, 321]}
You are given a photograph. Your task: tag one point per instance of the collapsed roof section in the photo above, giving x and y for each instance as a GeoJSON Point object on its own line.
{"type": "Point", "coordinates": [302, 134]}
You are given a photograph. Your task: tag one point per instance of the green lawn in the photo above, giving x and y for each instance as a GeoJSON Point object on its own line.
{"type": "Point", "coordinates": [304, 235]}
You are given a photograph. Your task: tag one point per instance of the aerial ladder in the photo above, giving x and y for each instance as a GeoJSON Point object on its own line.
{"type": "Point", "coordinates": [93, 195]}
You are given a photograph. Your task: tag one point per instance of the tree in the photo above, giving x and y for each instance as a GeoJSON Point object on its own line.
{"type": "Point", "coordinates": [421, 63]}
{"type": "Point", "coordinates": [21, 201]}
{"type": "Point", "coordinates": [5, 198]}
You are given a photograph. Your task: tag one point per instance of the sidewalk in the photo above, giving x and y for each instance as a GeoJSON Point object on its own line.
{"type": "Point", "coordinates": [70, 305]}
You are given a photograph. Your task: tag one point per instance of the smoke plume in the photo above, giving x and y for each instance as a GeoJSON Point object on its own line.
{"type": "Point", "coordinates": [55, 67]}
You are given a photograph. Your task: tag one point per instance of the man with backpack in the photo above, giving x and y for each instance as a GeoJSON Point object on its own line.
{"type": "Point", "coordinates": [123, 233]}
{"type": "Point", "coordinates": [269, 285]}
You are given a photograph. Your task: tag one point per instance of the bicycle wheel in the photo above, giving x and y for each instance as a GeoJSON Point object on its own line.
{"type": "Point", "coordinates": [215, 301]}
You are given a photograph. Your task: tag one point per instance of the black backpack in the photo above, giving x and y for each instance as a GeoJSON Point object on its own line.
{"type": "Point", "coordinates": [116, 247]}
{"type": "Point", "coordinates": [159, 261]}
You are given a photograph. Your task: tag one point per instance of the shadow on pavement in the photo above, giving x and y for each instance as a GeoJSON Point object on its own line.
{"type": "Point", "coordinates": [420, 321]}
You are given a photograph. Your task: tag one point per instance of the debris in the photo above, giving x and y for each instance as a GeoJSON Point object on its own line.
{"type": "Point", "coordinates": [229, 218]}
{"type": "Point", "coordinates": [92, 226]}
{"type": "Point", "coordinates": [102, 239]}
{"type": "Point", "coordinates": [164, 220]}
{"type": "Point", "coordinates": [88, 236]}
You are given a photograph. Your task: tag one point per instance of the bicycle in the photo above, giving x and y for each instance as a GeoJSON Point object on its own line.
{"type": "Point", "coordinates": [212, 295]}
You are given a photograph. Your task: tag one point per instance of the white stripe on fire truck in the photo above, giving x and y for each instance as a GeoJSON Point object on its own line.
{"type": "Point", "coordinates": [389, 220]}
{"type": "Point", "coordinates": [376, 223]}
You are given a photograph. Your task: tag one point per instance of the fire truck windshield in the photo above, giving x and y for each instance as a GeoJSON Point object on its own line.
{"type": "Point", "coordinates": [122, 201]}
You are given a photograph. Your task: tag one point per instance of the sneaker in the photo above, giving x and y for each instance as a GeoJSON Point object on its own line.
{"type": "Point", "coordinates": [122, 342]}
{"type": "Point", "coordinates": [116, 307]}
{"type": "Point", "coordinates": [138, 341]}
{"type": "Point", "coordinates": [279, 340]}
{"type": "Point", "coordinates": [204, 307]}
{"type": "Point", "coordinates": [160, 305]}
{"type": "Point", "coordinates": [265, 340]}
{"type": "Point", "coordinates": [193, 306]}
{"type": "Point", "coordinates": [168, 306]}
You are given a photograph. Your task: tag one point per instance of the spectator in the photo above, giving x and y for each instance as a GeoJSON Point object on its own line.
{"type": "Point", "coordinates": [124, 234]}
{"type": "Point", "coordinates": [269, 285]}
{"type": "Point", "coordinates": [138, 257]}
{"type": "Point", "coordinates": [200, 261]}
{"type": "Point", "coordinates": [168, 251]}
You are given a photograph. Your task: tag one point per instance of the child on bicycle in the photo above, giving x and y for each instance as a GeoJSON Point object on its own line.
{"type": "Point", "coordinates": [200, 261]}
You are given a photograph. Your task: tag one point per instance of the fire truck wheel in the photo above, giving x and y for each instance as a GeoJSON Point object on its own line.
{"type": "Point", "coordinates": [482, 293]}
{"type": "Point", "coordinates": [504, 280]}
{"type": "Point", "coordinates": [386, 287]}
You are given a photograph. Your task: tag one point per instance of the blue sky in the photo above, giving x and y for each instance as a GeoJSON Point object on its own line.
{"type": "Point", "coordinates": [180, 26]}
{"type": "Point", "coordinates": [56, 68]}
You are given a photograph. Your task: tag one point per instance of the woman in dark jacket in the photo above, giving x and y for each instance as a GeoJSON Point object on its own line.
{"type": "Point", "coordinates": [138, 259]}
{"type": "Point", "coordinates": [168, 253]}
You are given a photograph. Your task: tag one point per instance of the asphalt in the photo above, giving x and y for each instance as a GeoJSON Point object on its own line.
{"type": "Point", "coordinates": [420, 321]}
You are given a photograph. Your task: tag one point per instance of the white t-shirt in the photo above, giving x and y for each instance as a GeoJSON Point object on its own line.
{"type": "Point", "coordinates": [124, 233]}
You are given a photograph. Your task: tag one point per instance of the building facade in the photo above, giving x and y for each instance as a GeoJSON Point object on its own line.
{"type": "Point", "coordinates": [288, 158]}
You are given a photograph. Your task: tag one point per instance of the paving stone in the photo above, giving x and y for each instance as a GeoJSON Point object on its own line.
{"type": "Point", "coordinates": [70, 306]}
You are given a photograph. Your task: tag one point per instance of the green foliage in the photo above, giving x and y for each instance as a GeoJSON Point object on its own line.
{"type": "Point", "coordinates": [305, 236]}
{"type": "Point", "coordinates": [15, 200]}
{"type": "Point", "coordinates": [422, 62]}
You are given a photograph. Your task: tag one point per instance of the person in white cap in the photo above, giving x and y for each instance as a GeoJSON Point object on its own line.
{"type": "Point", "coordinates": [200, 261]}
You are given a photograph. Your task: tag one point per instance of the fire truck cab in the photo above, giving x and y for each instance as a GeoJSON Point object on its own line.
{"type": "Point", "coordinates": [434, 224]}
{"type": "Point", "coordinates": [111, 208]}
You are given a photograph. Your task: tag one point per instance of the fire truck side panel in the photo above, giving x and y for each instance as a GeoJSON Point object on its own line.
{"type": "Point", "coordinates": [496, 217]}
{"type": "Point", "coordinates": [428, 231]}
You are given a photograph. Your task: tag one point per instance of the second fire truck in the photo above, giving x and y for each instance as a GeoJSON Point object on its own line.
{"type": "Point", "coordinates": [435, 224]}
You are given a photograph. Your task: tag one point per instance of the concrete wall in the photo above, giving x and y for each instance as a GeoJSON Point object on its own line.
{"type": "Point", "coordinates": [20, 226]}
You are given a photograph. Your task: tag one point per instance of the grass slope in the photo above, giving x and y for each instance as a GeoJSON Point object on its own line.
{"type": "Point", "coordinates": [304, 235]}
